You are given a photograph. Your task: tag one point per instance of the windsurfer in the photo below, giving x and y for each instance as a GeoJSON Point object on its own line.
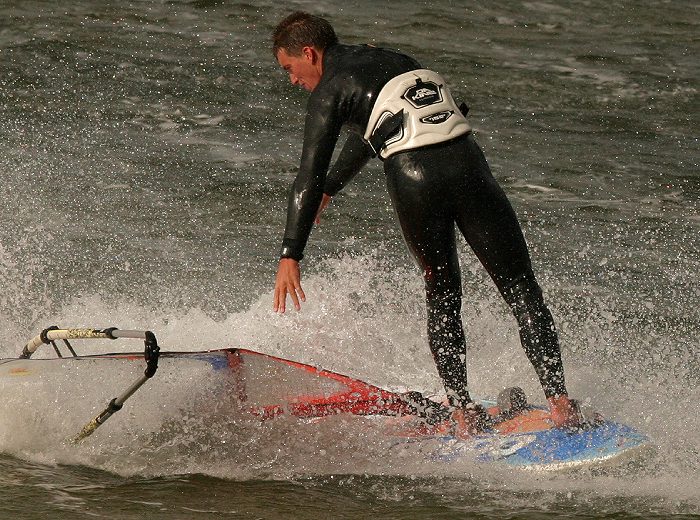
{"type": "Point", "coordinates": [437, 178]}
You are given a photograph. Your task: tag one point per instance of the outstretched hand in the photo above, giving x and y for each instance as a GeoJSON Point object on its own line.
{"type": "Point", "coordinates": [288, 281]}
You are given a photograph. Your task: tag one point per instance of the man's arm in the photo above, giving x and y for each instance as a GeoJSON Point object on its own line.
{"type": "Point", "coordinates": [321, 132]}
{"type": "Point", "coordinates": [352, 158]}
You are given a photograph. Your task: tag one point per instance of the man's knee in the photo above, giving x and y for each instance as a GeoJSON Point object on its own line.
{"type": "Point", "coordinates": [442, 283]}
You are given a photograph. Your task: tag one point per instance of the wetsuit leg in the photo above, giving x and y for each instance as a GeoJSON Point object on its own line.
{"type": "Point", "coordinates": [431, 189]}
{"type": "Point", "coordinates": [430, 236]}
{"type": "Point", "coordinates": [487, 220]}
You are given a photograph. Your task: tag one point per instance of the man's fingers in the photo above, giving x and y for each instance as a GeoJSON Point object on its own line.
{"type": "Point", "coordinates": [288, 281]}
{"type": "Point", "coordinates": [295, 299]}
{"type": "Point", "coordinates": [278, 303]}
{"type": "Point", "coordinates": [297, 294]}
{"type": "Point", "coordinates": [280, 300]}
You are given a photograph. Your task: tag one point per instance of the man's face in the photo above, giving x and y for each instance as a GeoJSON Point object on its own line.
{"type": "Point", "coordinates": [304, 70]}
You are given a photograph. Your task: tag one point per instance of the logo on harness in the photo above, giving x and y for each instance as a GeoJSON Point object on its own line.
{"type": "Point", "coordinates": [423, 94]}
{"type": "Point", "coordinates": [436, 119]}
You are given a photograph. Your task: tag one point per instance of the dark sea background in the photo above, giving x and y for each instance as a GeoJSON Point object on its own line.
{"type": "Point", "coordinates": [146, 150]}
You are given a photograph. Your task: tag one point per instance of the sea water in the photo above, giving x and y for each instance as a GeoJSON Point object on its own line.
{"type": "Point", "coordinates": [146, 151]}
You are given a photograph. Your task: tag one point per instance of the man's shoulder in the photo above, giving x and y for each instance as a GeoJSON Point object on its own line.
{"type": "Point", "coordinates": [354, 56]}
{"type": "Point", "coordinates": [353, 74]}
{"type": "Point", "coordinates": [364, 63]}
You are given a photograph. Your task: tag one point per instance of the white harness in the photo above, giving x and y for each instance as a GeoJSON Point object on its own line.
{"type": "Point", "coordinates": [430, 115]}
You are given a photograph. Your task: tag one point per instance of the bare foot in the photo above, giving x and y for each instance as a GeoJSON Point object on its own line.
{"type": "Point", "coordinates": [564, 412]}
{"type": "Point", "coordinates": [469, 421]}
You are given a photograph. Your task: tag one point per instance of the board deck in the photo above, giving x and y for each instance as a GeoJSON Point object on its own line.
{"type": "Point", "coordinates": [529, 441]}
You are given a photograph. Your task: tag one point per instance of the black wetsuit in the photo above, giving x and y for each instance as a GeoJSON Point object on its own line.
{"type": "Point", "coordinates": [432, 188]}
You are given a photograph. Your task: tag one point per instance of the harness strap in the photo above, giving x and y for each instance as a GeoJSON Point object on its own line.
{"type": "Point", "coordinates": [386, 129]}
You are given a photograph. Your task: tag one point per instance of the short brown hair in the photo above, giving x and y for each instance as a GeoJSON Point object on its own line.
{"type": "Point", "coordinates": [301, 30]}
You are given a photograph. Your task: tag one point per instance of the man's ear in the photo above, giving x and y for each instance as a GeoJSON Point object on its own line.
{"type": "Point", "coordinates": [311, 54]}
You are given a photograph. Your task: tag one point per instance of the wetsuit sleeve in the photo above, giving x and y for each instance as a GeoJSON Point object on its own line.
{"type": "Point", "coordinates": [353, 157]}
{"type": "Point", "coordinates": [321, 131]}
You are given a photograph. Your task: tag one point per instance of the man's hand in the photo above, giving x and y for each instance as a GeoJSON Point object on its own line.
{"type": "Point", "coordinates": [324, 202]}
{"type": "Point", "coordinates": [288, 281]}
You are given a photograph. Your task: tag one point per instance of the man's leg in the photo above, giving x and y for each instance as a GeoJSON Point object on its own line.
{"type": "Point", "coordinates": [487, 220]}
{"type": "Point", "coordinates": [430, 237]}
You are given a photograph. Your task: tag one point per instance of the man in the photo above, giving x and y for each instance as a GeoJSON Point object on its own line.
{"type": "Point", "coordinates": [437, 178]}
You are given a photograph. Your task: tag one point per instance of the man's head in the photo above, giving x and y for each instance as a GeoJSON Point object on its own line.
{"type": "Point", "coordinates": [298, 43]}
